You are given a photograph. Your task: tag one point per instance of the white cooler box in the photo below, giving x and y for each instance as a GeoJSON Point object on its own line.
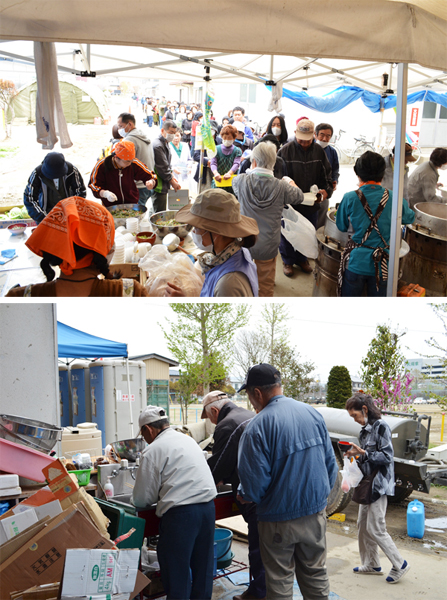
{"type": "Point", "coordinates": [84, 438]}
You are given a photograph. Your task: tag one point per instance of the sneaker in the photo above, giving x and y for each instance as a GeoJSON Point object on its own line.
{"type": "Point", "coordinates": [395, 574]}
{"type": "Point", "coordinates": [365, 570]}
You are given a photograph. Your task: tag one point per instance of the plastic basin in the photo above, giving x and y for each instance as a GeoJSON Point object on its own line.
{"type": "Point", "coordinates": [223, 539]}
{"type": "Point", "coordinates": [23, 461]}
{"type": "Point", "coordinates": [83, 476]}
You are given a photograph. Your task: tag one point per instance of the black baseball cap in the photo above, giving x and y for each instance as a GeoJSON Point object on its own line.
{"type": "Point", "coordinates": [259, 375]}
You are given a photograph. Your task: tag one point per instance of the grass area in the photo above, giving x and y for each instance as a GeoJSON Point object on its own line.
{"type": "Point", "coordinates": [8, 151]}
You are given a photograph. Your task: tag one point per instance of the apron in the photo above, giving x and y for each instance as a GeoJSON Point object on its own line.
{"type": "Point", "coordinates": [380, 255]}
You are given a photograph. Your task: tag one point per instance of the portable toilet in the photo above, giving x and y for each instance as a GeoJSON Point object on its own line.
{"type": "Point", "coordinates": [80, 392]}
{"type": "Point", "coordinates": [110, 399]}
{"type": "Point", "coordinates": [64, 395]}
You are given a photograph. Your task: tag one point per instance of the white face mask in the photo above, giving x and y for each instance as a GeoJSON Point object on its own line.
{"type": "Point", "coordinates": [443, 167]}
{"type": "Point", "coordinates": [170, 137]}
{"type": "Point", "coordinates": [276, 131]}
{"type": "Point", "coordinates": [197, 239]}
{"type": "Point", "coordinates": [122, 132]}
{"type": "Point", "coordinates": [322, 144]}
{"type": "Point", "coordinates": [227, 143]}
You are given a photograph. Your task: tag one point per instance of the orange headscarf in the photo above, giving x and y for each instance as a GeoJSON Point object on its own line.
{"type": "Point", "coordinates": [124, 150]}
{"type": "Point", "coordinates": [78, 221]}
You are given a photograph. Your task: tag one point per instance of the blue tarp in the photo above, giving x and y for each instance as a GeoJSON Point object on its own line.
{"type": "Point", "coordinates": [344, 95]}
{"type": "Point", "coordinates": [73, 343]}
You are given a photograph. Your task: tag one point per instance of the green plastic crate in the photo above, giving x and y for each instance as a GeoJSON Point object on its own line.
{"type": "Point", "coordinates": [120, 522]}
{"type": "Point", "coordinates": [83, 476]}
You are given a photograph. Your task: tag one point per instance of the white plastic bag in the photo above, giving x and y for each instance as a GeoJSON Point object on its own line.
{"type": "Point", "coordinates": [351, 474]}
{"type": "Point", "coordinates": [161, 266]}
{"type": "Point", "coordinates": [299, 232]}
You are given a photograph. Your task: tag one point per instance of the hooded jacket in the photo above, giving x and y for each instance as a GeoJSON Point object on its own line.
{"type": "Point", "coordinates": [143, 150]}
{"type": "Point", "coordinates": [41, 194]}
{"type": "Point", "coordinates": [263, 197]}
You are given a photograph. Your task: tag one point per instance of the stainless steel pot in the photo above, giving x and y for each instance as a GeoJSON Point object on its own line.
{"type": "Point", "coordinates": [431, 219]}
{"type": "Point", "coordinates": [331, 231]}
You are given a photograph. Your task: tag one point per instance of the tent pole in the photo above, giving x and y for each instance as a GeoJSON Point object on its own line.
{"type": "Point", "coordinates": [128, 394]}
{"type": "Point", "coordinates": [271, 67]}
{"type": "Point", "coordinates": [398, 179]}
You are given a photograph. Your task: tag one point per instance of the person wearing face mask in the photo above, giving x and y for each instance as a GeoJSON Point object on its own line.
{"type": "Point", "coordinates": [277, 127]}
{"type": "Point", "coordinates": [375, 458]}
{"type": "Point", "coordinates": [224, 235]}
{"type": "Point", "coordinates": [364, 261]}
{"type": "Point", "coordinates": [228, 158]}
{"type": "Point", "coordinates": [323, 134]}
{"type": "Point", "coordinates": [143, 150]}
{"type": "Point", "coordinates": [423, 182]}
{"type": "Point", "coordinates": [307, 165]}
{"type": "Point", "coordinates": [162, 156]}
{"type": "Point", "coordinates": [113, 178]}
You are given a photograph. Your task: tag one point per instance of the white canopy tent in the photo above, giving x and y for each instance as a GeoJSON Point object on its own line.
{"type": "Point", "coordinates": [384, 31]}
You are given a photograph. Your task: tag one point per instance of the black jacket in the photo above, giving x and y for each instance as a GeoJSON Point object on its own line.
{"type": "Point", "coordinates": [41, 195]}
{"type": "Point", "coordinates": [230, 426]}
{"type": "Point", "coordinates": [307, 167]}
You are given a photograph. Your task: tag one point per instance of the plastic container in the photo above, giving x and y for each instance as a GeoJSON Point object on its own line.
{"type": "Point", "coordinates": [108, 489]}
{"type": "Point", "coordinates": [416, 519]}
{"type": "Point", "coordinates": [223, 183]}
{"type": "Point", "coordinates": [222, 540]}
{"type": "Point", "coordinates": [120, 522]}
{"type": "Point", "coordinates": [23, 461]}
{"type": "Point", "coordinates": [83, 476]}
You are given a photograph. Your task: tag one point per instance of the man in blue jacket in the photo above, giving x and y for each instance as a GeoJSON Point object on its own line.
{"type": "Point", "coordinates": [287, 467]}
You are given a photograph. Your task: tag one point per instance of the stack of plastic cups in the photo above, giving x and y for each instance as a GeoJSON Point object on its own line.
{"type": "Point", "coordinates": [145, 226]}
{"type": "Point", "coordinates": [118, 256]}
{"type": "Point", "coordinates": [132, 225]}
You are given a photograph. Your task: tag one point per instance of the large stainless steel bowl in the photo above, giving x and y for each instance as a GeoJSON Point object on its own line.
{"type": "Point", "coordinates": [129, 449]}
{"type": "Point", "coordinates": [166, 215]}
{"type": "Point", "coordinates": [29, 432]}
{"type": "Point", "coordinates": [121, 221]}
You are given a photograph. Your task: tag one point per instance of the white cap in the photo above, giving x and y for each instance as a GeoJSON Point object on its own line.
{"type": "Point", "coordinates": [151, 414]}
{"type": "Point", "coordinates": [239, 126]}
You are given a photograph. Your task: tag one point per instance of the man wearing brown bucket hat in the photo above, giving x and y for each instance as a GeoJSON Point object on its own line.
{"type": "Point", "coordinates": [224, 235]}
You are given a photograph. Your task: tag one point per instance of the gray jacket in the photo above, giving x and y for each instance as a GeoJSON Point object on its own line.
{"type": "Point", "coordinates": [422, 184]}
{"type": "Point", "coordinates": [263, 197]}
{"type": "Point", "coordinates": [387, 181]}
{"type": "Point", "coordinates": [162, 157]}
{"type": "Point", "coordinates": [143, 150]}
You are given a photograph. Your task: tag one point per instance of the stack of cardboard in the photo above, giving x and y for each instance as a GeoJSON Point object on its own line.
{"type": "Point", "coordinates": [38, 532]}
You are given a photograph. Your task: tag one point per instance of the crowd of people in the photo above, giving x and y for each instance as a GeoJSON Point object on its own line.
{"type": "Point", "coordinates": [280, 463]}
{"type": "Point", "coordinates": [251, 177]}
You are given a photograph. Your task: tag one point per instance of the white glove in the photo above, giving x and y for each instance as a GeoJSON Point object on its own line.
{"type": "Point", "coordinates": [110, 196]}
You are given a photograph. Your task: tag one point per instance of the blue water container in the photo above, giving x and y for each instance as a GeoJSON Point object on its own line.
{"type": "Point", "coordinates": [416, 519]}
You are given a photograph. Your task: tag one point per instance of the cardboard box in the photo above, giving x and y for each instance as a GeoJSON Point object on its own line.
{"type": "Point", "coordinates": [50, 509]}
{"type": "Point", "coordinates": [41, 559]}
{"type": "Point", "coordinates": [18, 541]}
{"type": "Point", "coordinates": [59, 480]}
{"type": "Point", "coordinates": [12, 526]}
{"type": "Point", "coordinates": [92, 507]}
{"type": "Point", "coordinates": [97, 572]}
{"type": "Point", "coordinates": [48, 591]}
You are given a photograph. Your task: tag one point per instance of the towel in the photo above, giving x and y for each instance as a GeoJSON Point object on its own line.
{"type": "Point", "coordinates": [50, 119]}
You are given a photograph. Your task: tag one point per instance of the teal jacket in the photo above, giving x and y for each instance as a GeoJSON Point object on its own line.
{"type": "Point", "coordinates": [351, 209]}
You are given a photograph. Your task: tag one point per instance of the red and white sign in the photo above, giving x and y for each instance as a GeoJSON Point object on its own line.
{"type": "Point", "coordinates": [126, 398]}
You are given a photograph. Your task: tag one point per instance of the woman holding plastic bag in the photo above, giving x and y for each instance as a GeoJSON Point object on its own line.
{"type": "Point", "coordinates": [375, 458]}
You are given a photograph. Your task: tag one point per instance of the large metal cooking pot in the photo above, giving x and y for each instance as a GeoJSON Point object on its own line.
{"type": "Point", "coordinates": [332, 232]}
{"type": "Point", "coordinates": [431, 219]}
{"type": "Point", "coordinates": [121, 221]}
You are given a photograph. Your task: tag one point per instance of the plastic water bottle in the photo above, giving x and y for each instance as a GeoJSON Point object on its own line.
{"type": "Point", "coordinates": [416, 519]}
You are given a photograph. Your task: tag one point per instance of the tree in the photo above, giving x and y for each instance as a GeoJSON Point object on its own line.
{"type": "Point", "coordinates": [187, 384]}
{"type": "Point", "coordinates": [396, 394]}
{"type": "Point", "coordinates": [440, 349]}
{"type": "Point", "coordinates": [271, 344]}
{"type": "Point", "coordinates": [384, 360]}
{"type": "Point", "coordinates": [202, 337]}
{"type": "Point", "coordinates": [339, 387]}
{"type": "Point", "coordinates": [7, 92]}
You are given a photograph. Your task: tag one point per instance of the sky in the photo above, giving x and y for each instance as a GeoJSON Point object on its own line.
{"type": "Point", "coordinates": [326, 331]}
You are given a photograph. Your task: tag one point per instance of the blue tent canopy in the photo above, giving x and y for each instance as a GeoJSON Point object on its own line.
{"type": "Point", "coordinates": [344, 95]}
{"type": "Point", "coordinates": [73, 343]}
